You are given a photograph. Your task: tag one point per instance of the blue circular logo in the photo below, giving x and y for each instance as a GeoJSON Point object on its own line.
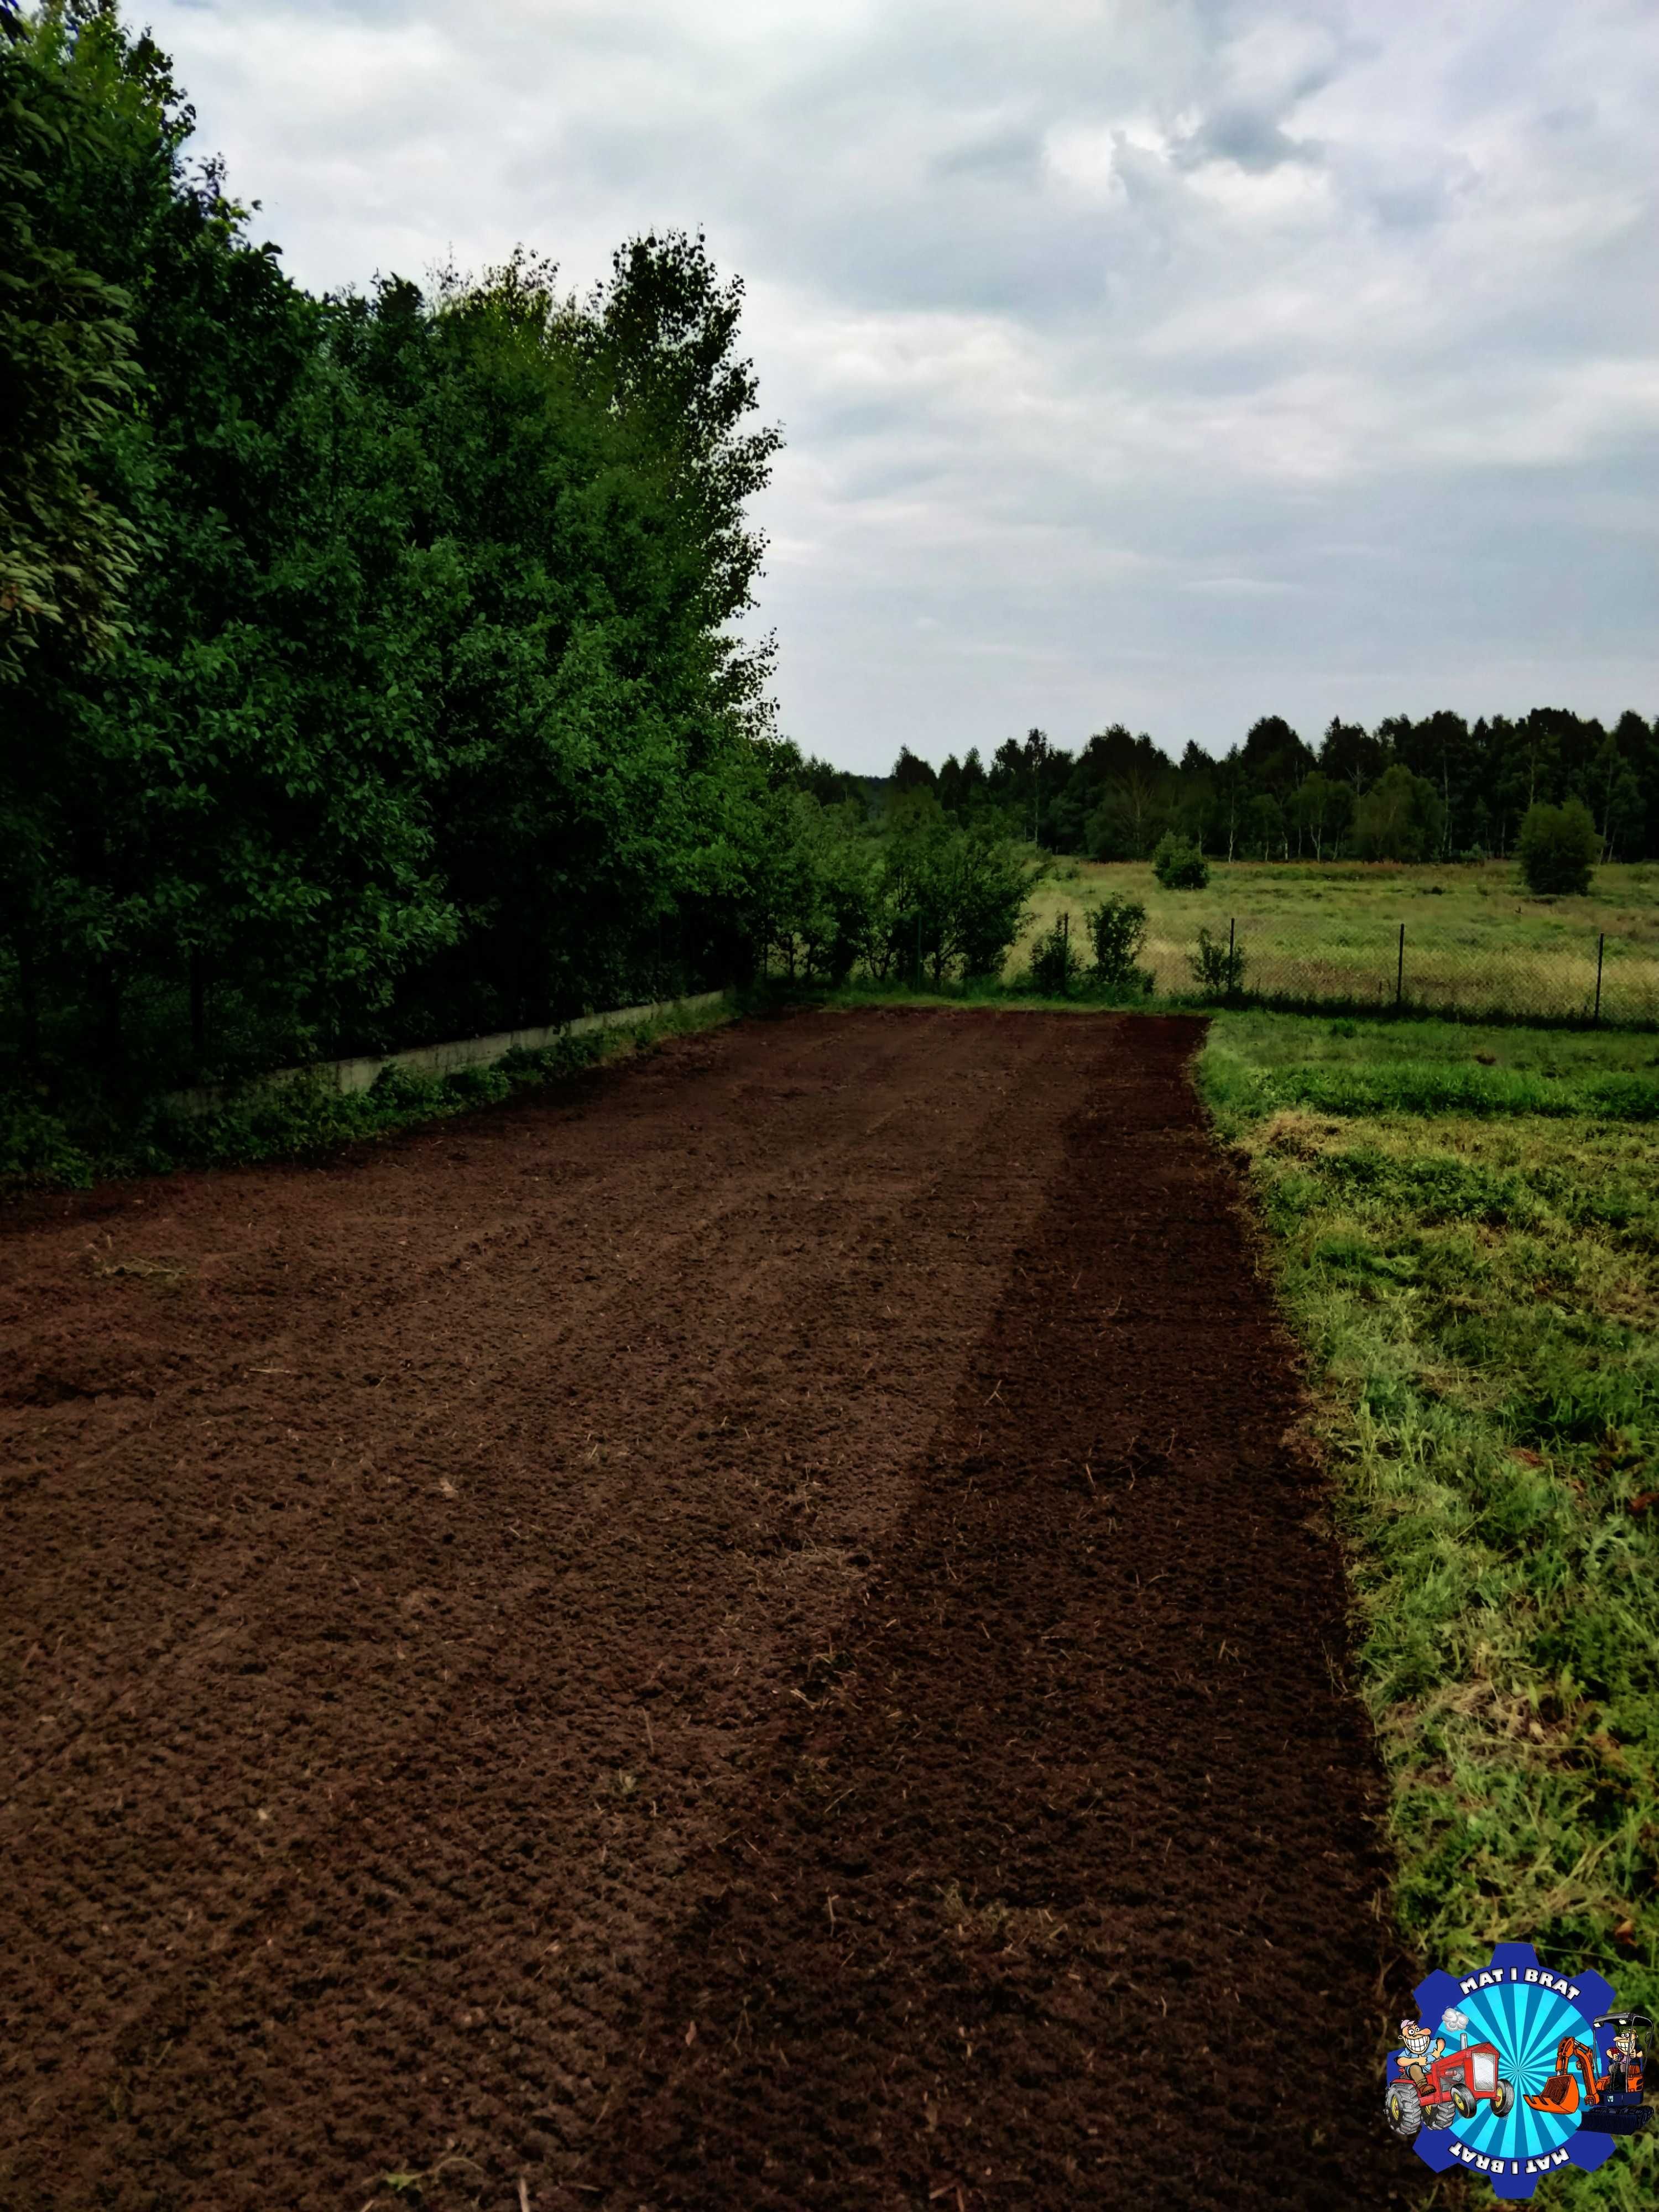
{"type": "Point", "coordinates": [1514, 2070]}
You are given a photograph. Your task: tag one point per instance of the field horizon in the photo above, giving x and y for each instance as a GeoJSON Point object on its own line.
{"type": "Point", "coordinates": [1476, 939]}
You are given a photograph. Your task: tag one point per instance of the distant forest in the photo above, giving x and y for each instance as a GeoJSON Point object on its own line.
{"type": "Point", "coordinates": [1438, 788]}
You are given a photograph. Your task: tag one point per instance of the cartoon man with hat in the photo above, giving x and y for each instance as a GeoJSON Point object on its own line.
{"type": "Point", "coordinates": [1420, 2047]}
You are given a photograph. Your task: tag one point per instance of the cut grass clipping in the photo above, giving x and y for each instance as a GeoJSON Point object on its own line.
{"type": "Point", "coordinates": [1465, 1225]}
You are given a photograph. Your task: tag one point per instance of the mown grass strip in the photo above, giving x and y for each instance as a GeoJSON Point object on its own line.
{"type": "Point", "coordinates": [1471, 1254]}
{"type": "Point", "coordinates": [1423, 1088]}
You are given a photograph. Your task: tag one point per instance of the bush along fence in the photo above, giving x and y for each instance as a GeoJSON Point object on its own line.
{"type": "Point", "coordinates": [309, 1111]}
{"type": "Point", "coordinates": [435, 1061]}
{"type": "Point", "coordinates": [1367, 966]}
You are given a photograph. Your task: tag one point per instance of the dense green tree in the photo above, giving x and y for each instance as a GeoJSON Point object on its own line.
{"type": "Point", "coordinates": [1441, 750]}
{"type": "Point", "coordinates": [1558, 849]}
{"type": "Point", "coordinates": [961, 784]}
{"type": "Point", "coordinates": [1274, 757]}
{"type": "Point", "coordinates": [949, 898]}
{"type": "Point", "coordinates": [1349, 754]}
{"type": "Point", "coordinates": [431, 709]}
{"type": "Point", "coordinates": [1262, 832]}
{"type": "Point", "coordinates": [816, 885]}
{"type": "Point", "coordinates": [975, 892]}
{"type": "Point", "coordinates": [66, 365]}
{"type": "Point", "coordinates": [1117, 930]}
{"type": "Point", "coordinates": [1179, 865]}
{"type": "Point", "coordinates": [1639, 748]}
{"type": "Point", "coordinates": [1321, 810]}
{"type": "Point", "coordinates": [1400, 817]}
{"type": "Point", "coordinates": [1616, 799]}
{"type": "Point", "coordinates": [229, 789]}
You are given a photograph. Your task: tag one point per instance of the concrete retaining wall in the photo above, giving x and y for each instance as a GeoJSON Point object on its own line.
{"type": "Point", "coordinates": [360, 1073]}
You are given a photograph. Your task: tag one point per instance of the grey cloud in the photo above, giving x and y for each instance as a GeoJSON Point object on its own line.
{"type": "Point", "coordinates": [1014, 156]}
{"type": "Point", "coordinates": [1256, 141]}
{"type": "Point", "coordinates": [1417, 205]}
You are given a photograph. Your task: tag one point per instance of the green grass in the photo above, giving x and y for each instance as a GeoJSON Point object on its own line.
{"type": "Point", "coordinates": [1470, 1247]}
{"type": "Point", "coordinates": [1475, 939]}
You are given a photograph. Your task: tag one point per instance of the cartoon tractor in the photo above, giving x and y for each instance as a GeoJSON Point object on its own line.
{"type": "Point", "coordinates": [1611, 2103]}
{"type": "Point", "coordinates": [1435, 2086]}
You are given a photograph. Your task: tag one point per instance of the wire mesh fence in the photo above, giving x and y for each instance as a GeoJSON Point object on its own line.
{"type": "Point", "coordinates": [1467, 970]}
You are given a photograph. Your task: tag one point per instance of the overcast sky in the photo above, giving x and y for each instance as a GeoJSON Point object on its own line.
{"type": "Point", "coordinates": [1174, 361]}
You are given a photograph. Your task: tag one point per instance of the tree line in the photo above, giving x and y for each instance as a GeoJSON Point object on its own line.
{"type": "Point", "coordinates": [367, 664]}
{"type": "Point", "coordinates": [1438, 788]}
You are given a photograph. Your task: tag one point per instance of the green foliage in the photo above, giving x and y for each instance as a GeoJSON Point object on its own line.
{"type": "Point", "coordinates": [66, 365]}
{"type": "Point", "coordinates": [37, 1151]}
{"type": "Point", "coordinates": [1401, 817]}
{"type": "Point", "coordinates": [1558, 850]}
{"type": "Point", "coordinates": [1473, 1266]}
{"type": "Point", "coordinates": [1056, 965]}
{"type": "Point", "coordinates": [1323, 812]}
{"type": "Point", "coordinates": [819, 888]}
{"type": "Point", "coordinates": [304, 1118]}
{"type": "Point", "coordinates": [943, 899]}
{"type": "Point", "coordinates": [976, 891]}
{"type": "Point", "coordinates": [1179, 865]}
{"type": "Point", "coordinates": [425, 711]}
{"type": "Point", "coordinates": [1218, 968]}
{"type": "Point", "coordinates": [1117, 930]}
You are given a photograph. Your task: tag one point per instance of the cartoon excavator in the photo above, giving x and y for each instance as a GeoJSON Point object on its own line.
{"type": "Point", "coordinates": [1611, 2103]}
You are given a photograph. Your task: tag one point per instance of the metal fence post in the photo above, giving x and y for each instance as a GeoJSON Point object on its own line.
{"type": "Point", "coordinates": [1399, 971]}
{"type": "Point", "coordinates": [1601, 948]}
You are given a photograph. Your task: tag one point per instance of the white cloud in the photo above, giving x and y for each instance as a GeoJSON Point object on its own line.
{"type": "Point", "coordinates": [1174, 360]}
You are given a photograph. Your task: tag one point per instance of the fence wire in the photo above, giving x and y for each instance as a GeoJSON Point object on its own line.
{"type": "Point", "coordinates": [1472, 971]}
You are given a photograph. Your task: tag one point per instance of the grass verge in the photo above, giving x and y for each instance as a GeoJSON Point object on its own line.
{"type": "Point", "coordinates": [1466, 1231]}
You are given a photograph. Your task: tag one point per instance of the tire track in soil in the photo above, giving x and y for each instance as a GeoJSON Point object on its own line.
{"type": "Point", "coordinates": [376, 1817]}
{"type": "Point", "coordinates": [1057, 1888]}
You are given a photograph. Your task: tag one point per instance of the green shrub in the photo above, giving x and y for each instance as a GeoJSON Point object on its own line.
{"type": "Point", "coordinates": [1178, 864]}
{"type": "Point", "coordinates": [477, 1087]}
{"type": "Point", "coordinates": [1218, 968]}
{"type": "Point", "coordinates": [398, 1090]}
{"type": "Point", "coordinates": [1117, 930]}
{"type": "Point", "coordinates": [1558, 850]}
{"type": "Point", "coordinates": [526, 1070]}
{"type": "Point", "coordinates": [1056, 964]}
{"type": "Point", "coordinates": [36, 1149]}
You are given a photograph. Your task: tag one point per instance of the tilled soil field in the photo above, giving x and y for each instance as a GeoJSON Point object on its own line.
{"type": "Point", "coordinates": [750, 1634]}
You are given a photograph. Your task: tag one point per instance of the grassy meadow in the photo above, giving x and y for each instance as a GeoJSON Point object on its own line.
{"type": "Point", "coordinates": [1465, 1224]}
{"type": "Point", "coordinates": [1475, 939]}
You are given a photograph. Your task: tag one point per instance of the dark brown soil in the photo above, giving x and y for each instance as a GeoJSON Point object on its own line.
{"type": "Point", "coordinates": [748, 1636]}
